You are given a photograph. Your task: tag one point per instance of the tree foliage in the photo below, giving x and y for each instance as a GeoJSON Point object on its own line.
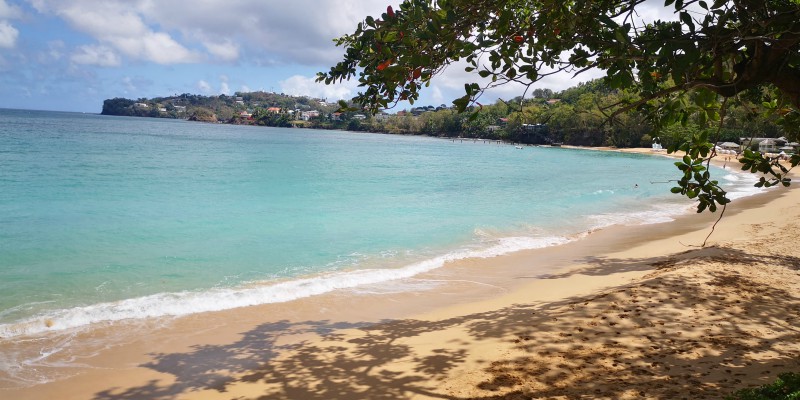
{"type": "Point", "coordinates": [220, 107]}
{"type": "Point", "coordinates": [785, 387]}
{"type": "Point", "coordinates": [117, 106]}
{"type": "Point", "coordinates": [715, 54]}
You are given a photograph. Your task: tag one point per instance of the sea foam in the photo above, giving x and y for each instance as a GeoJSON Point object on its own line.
{"type": "Point", "coordinates": [255, 293]}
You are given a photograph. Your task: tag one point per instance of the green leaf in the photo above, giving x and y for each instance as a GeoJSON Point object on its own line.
{"type": "Point", "coordinates": [687, 20]}
{"type": "Point", "coordinates": [606, 20]}
{"type": "Point", "coordinates": [390, 36]}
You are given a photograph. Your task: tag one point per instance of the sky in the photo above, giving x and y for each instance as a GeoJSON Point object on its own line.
{"type": "Point", "coordinates": [70, 55]}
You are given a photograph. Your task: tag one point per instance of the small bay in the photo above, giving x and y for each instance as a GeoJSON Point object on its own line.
{"type": "Point", "coordinates": [108, 218]}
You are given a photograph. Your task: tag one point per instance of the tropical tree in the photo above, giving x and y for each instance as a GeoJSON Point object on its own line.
{"type": "Point", "coordinates": [690, 69]}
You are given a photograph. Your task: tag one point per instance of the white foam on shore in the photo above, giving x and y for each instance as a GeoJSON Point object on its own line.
{"type": "Point", "coordinates": [738, 184]}
{"type": "Point", "coordinates": [741, 184]}
{"type": "Point", "coordinates": [658, 214]}
{"type": "Point", "coordinates": [255, 293]}
{"type": "Point", "coordinates": [26, 370]}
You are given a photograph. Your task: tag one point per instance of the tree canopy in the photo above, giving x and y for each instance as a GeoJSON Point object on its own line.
{"type": "Point", "coordinates": [713, 55]}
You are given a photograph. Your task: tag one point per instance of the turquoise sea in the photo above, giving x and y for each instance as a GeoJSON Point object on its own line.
{"type": "Point", "coordinates": [111, 218]}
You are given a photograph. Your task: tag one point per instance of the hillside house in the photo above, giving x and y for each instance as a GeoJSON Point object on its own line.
{"type": "Point", "coordinates": [307, 115]}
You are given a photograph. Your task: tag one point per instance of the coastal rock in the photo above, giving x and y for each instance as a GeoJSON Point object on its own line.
{"type": "Point", "coordinates": [203, 117]}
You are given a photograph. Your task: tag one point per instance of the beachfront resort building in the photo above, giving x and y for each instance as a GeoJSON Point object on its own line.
{"type": "Point", "coordinates": [729, 148]}
{"type": "Point", "coordinates": [770, 145]}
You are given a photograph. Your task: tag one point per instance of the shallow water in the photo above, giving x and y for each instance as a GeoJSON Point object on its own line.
{"type": "Point", "coordinates": [111, 218]}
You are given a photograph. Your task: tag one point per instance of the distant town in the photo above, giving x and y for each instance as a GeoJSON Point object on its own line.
{"type": "Point", "coordinates": [282, 110]}
{"type": "Point", "coordinates": [571, 117]}
{"type": "Point", "coordinates": [245, 108]}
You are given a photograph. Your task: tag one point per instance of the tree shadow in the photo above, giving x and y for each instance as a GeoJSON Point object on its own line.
{"type": "Point", "coordinates": [600, 266]}
{"type": "Point", "coordinates": [212, 366]}
{"type": "Point", "coordinates": [698, 335]}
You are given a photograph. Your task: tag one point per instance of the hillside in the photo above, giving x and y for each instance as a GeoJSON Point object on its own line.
{"type": "Point", "coordinates": [576, 116]}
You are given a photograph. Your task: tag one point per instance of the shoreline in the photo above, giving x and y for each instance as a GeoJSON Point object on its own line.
{"type": "Point", "coordinates": [175, 304]}
{"type": "Point", "coordinates": [396, 346]}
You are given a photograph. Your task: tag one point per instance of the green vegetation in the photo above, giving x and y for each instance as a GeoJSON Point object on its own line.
{"type": "Point", "coordinates": [717, 57]}
{"type": "Point", "coordinates": [257, 108]}
{"type": "Point", "coordinates": [570, 117]}
{"type": "Point", "coordinates": [786, 387]}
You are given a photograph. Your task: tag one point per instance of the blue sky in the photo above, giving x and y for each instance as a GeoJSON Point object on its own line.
{"type": "Point", "coordinates": [70, 55]}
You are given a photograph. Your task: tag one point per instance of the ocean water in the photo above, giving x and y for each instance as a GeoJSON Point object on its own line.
{"type": "Point", "coordinates": [110, 218]}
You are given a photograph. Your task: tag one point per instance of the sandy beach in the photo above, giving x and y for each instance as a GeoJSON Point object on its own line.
{"type": "Point", "coordinates": [638, 312]}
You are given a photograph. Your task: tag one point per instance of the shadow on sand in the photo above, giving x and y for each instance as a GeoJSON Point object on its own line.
{"type": "Point", "coordinates": [698, 335]}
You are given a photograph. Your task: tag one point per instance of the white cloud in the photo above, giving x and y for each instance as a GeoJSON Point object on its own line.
{"type": "Point", "coordinates": [296, 32]}
{"type": "Point", "coordinates": [154, 46]}
{"type": "Point", "coordinates": [224, 88]}
{"type": "Point", "coordinates": [299, 32]}
{"type": "Point", "coordinates": [127, 82]}
{"type": "Point", "coordinates": [204, 87]}
{"type": "Point", "coordinates": [102, 19]}
{"type": "Point", "coordinates": [225, 50]}
{"type": "Point", "coordinates": [117, 24]}
{"type": "Point", "coordinates": [135, 85]}
{"type": "Point", "coordinates": [653, 10]}
{"type": "Point", "coordinates": [55, 50]}
{"type": "Point", "coordinates": [245, 89]}
{"type": "Point", "coordinates": [9, 11]}
{"type": "Point", "coordinates": [241, 35]}
{"type": "Point", "coordinates": [436, 95]}
{"type": "Point", "coordinates": [8, 35]}
{"type": "Point", "coordinates": [450, 84]}
{"type": "Point", "coordinates": [95, 55]}
{"type": "Point", "coordinates": [299, 85]}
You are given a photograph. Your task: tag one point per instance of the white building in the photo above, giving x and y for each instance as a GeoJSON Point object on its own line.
{"type": "Point", "coordinates": [307, 115]}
